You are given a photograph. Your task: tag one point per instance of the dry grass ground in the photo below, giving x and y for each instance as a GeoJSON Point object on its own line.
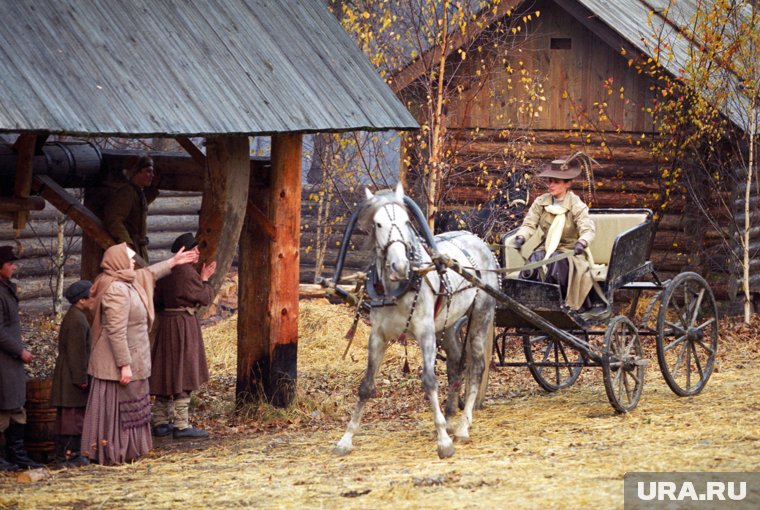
{"type": "Point", "coordinates": [529, 449]}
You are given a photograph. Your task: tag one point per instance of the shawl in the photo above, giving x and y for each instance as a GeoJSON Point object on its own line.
{"type": "Point", "coordinates": [116, 267]}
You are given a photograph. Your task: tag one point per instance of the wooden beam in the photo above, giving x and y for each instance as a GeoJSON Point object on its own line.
{"type": "Point", "coordinates": [13, 204]}
{"type": "Point", "coordinates": [71, 207]}
{"type": "Point", "coordinates": [225, 194]}
{"type": "Point", "coordinates": [23, 182]}
{"type": "Point", "coordinates": [284, 264]}
{"type": "Point", "coordinates": [268, 283]}
{"type": "Point", "coordinates": [260, 219]}
{"type": "Point", "coordinates": [192, 149]}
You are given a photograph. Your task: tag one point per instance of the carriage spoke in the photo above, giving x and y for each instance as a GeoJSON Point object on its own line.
{"type": "Point", "coordinates": [697, 362]}
{"type": "Point", "coordinates": [676, 326]}
{"type": "Point", "coordinates": [628, 390]}
{"type": "Point", "coordinates": [706, 323]}
{"type": "Point", "coordinates": [675, 343]}
{"type": "Point", "coordinates": [697, 307]}
{"type": "Point", "coordinates": [710, 350]}
{"type": "Point", "coordinates": [679, 360]}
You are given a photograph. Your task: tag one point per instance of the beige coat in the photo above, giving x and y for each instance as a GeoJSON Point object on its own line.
{"type": "Point", "coordinates": [578, 226]}
{"type": "Point", "coordinates": [124, 337]}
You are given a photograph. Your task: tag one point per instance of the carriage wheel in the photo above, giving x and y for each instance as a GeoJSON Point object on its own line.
{"type": "Point", "coordinates": [553, 364]}
{"type": "Point", "coordinates": [487, 355]}
{"type": "Point", "coordinates": [687, 334]}
{"type": "Point", "coordinates": [623, 364]}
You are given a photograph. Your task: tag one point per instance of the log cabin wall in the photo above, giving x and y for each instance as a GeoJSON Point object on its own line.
{"type": "Point", "coordinates": [580, 71]}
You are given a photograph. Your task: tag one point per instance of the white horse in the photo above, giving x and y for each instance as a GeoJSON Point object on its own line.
{"type": "Point", "coordinates": [399, 257]}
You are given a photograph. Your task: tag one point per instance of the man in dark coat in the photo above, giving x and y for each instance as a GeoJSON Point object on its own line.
{"type": "Point", "coordinates": [125, 214]}
{"type": "Point", "coordinates": [178, 357]}
{"type": "Point", "coordinates": [70, 381]}
{"type": "Point", "coordinates": [13, 355]}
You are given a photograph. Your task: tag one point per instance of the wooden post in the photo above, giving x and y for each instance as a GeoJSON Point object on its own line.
{"type": "Point", "coordinates": [268, 287]}
{"type": "Point", "coordinates": [23, 181]}
{"type": "Point", "coordinates": [225, 194]}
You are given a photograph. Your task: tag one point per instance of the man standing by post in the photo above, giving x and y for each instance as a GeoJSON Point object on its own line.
{"type": "Point", "coordinates": [126, 212]}
{"type": "Point", "coordinates": [13, 355]}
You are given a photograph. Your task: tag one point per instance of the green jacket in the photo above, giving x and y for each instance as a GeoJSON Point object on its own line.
{"type": "Point", "coordinates": [125, 215]}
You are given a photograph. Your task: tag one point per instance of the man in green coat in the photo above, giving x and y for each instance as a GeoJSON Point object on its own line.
{"type": "Point", "coordinates": [125, 214]}
{"type": "Point", "coordinates": [70, 380]}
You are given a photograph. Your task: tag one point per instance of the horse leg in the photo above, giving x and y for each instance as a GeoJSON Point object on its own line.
{"type": "Point", "coordinates": [430, 386]}
{"type": "Point", "coordinates": [376, 351]}
{"type": "Point", "coordinates": [453, 350]}
{"type": "Point", "coordinates": [475, 365]}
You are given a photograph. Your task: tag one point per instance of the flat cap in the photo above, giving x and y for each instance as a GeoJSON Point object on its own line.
{"type": "Point", "coordinates": [7, 254]}
{"type": "Point", "coordinates": [78, 290]}
{"type": "Point", "coordinates": [187, 240]}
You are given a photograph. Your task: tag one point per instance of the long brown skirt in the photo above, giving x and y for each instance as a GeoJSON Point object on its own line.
{"type": "Point", "coordinates": [117, 422]}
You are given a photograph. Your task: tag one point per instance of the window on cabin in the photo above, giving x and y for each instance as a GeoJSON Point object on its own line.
{"type": "Point", "coordinates": [561, 43]}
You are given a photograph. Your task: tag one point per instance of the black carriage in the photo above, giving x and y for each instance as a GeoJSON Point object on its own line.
{"type": "Point", "coordinates": [558, 342]}
{"type": "Point", "coordinates": [681, 314]}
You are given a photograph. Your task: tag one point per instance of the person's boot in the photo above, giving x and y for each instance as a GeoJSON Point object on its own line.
{"type": "Point", "coordinates": [74, 454]}
{"type": "Point", "coordinates": [182, 427]}
{"type": "Point", "coordinates": [162, 411]}
{"type": "Point", "coordinates": [14, 447]}
{"type": "Point", "coordinates": [7, 466]}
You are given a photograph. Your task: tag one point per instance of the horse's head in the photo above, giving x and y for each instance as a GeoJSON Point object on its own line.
{"type": "Point", "coordinates": [387, 221]}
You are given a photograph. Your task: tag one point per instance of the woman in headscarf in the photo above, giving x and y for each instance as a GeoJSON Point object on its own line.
{"type": "Point", "coordinates": [117, 421]}
{"type": "Point", "coordinates": [567, 228]}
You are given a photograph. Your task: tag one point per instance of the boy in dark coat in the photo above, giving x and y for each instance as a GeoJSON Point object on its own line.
{"type": "Point", "coordinates": [70, 382]}
{"type": "Point", "coordinates": [179, 356]}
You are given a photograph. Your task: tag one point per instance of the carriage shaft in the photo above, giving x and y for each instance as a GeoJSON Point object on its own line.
{"type": "Point", "coordinates": [521, 310]}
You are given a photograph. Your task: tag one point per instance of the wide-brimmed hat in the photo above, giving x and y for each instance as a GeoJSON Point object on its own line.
{"type": "Point", "coordinates": [78, 290]}
{"type": "Point", "coordinates": [562, 169]}
{"type": "Point", "coordinates": [7, 255]}
{"type": "Point", "coordinates": [187, 240]}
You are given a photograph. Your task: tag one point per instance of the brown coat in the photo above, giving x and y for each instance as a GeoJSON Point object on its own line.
{"type": "Point", "coordinates": [125, 215]}
{"type": "Point", "coordinates": [124, 337]}
{"type": "Point", "coordinates": [71, 365]}
{"type": "Point", "coordinates": [12, 373]}
{"type": "Point", "coordinates": [578, 226]}
{"type": "Point", "coordinates": [179, 356]}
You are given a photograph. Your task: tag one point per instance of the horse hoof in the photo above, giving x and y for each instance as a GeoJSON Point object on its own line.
{"type": "Point", "coordinates": [342, 450]}
{"type": "Point", "coordinates": [446, 451]}
{"type": "Point", "coordinates": [462, 439]}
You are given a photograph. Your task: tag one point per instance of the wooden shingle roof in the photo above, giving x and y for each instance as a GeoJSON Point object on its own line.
{"type": "Point", "coordinates": [172, 67]}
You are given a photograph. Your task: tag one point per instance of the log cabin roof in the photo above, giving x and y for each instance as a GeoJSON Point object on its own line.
{"type": "Point", "coordinates": [620, 23]}
{"type": "Point", "coordinates": [171, 67]}
{"type": "Point", "coordinates": [646, 24]}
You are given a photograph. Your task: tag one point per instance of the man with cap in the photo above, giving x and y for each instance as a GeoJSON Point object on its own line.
{"type": "Point", "coordinates": [125, 215]}
{"type": "Point", "coordinates": [13, 355]}
{"type": "Point", "coordinates": [567, 228]}
{"type": "Point", "coordinates": [178, 355]}
{"type": "Point", "coordinates": [70, 381]}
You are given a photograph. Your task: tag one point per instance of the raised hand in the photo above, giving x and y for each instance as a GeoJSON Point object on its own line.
{"type": "Point", "coordinates": [208, 270]}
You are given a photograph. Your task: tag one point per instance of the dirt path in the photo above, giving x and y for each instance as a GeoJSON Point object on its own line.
{"type": "Point", "coordinates": [565, 450]}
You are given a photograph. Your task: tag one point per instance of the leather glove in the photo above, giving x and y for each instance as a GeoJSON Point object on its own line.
{"type": "Point", "coordinates": [579, 248]}
{"type": "Point", "coordinates": [519, 241]}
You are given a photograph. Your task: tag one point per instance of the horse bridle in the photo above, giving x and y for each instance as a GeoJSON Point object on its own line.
{"type": "Point", "coordinates": [375, 288]}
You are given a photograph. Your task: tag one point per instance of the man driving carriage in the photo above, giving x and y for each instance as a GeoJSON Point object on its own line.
{"type": "Point", "coordinates": [563, 218]}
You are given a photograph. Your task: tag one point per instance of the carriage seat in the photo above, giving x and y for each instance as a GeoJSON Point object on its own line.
{"type": "Point", "coordinates": [608, 226]}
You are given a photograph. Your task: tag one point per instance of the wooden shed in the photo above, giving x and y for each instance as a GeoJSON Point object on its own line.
{"type": "Point", "coordinates": [219, 70]}
{"type": "Point", "coordinates": [583, 49]}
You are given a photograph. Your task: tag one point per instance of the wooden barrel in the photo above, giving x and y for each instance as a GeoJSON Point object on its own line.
{"type": "Point", "coordinates": [40, 419]}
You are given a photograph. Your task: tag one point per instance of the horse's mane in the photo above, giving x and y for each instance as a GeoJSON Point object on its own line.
{"type": "Point", "coordinates": [370, 206]}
